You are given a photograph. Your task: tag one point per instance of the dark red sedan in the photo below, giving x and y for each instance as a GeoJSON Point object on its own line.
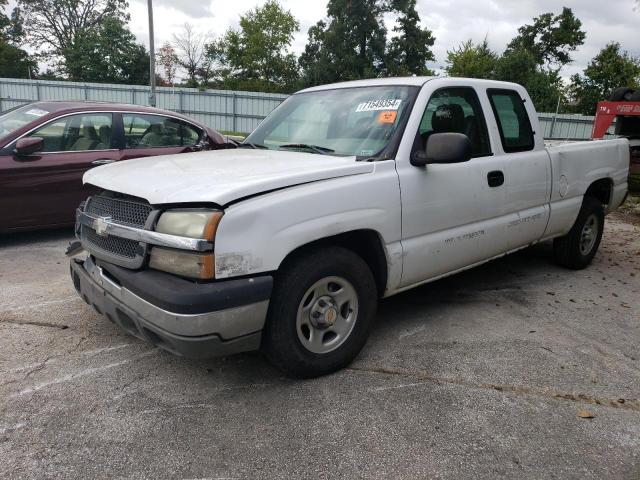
{"type": "Point", "coordinates": [45, 148]}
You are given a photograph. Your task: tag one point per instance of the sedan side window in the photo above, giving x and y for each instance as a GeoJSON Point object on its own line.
{"type": "Point", "coordinates": [151, 131]}
{"type": "Point", "coordinates": [76, 133]}
{"type": "Point", "coordinates": [457, 110]}
{"type": "Point", "coordinates": [190, 134]}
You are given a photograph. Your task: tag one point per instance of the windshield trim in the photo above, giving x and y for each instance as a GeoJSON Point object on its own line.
{"type": "Point", "coordinates": [390, 150]}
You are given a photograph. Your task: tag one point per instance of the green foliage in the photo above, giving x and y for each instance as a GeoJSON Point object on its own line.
{"type": "Point", "coordinates": [87, 39]}
{"type": "Point", "coordinates": [257, 56]}
{"type": "Point", "coordinates": [107, 53]}
{"type": "Point", "coordinates": [352, 42]}
{"type": "Point", "coordinates": [472, 60]}
{"type": "Point", "coordinates": [610, 69]}
{"type": "Point", "coordinates": [551, 38]}
{"type": "Point", "coordinates": [14, 61]}
{"type": "Point", "coordinates": [349, 46]}
{"type": "Point", "coordinates": [409, 52]}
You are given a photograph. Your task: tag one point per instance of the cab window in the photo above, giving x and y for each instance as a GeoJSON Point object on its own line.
{"type": "Point", "coordinates": [76, 133]}
{"type": "Point", "coordinates": [456, 110]}
{"type": "Point", "coordinates": [515, 129]}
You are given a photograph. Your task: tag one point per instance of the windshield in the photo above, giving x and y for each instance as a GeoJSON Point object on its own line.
{"type": "Point", "coordinates": [16, 118]}
{"type": "Point", "coordinates": [345, 121]}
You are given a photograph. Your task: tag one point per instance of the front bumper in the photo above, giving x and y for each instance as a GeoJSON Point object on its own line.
{"type": "Point", "coordinates": [183, 317]}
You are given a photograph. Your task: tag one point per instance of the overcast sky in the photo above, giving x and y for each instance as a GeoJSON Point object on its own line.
{"type": "Point", "coordinates": [452, 21]}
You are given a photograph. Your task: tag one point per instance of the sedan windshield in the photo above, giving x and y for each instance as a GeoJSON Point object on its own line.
{"type": "Point", "coordinates": [358, 121]}
{"type": "Point", "coordinates": [16, 118]}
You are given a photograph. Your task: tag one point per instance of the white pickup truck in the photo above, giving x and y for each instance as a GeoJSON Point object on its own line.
{"type": "Point", "coordinates": [344, 194]}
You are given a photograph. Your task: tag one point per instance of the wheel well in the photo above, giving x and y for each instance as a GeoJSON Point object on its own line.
{"type": "Point", "coordinates": [600, 190]}
{"type": "Point", "coordinates": [365, 243]}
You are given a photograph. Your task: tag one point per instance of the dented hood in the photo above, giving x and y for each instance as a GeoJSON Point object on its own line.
{"type": "Point", "coordinates": [219, 176]}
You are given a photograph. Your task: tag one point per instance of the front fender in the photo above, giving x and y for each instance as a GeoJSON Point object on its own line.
{"type": "Point", "coordinates": [257, 234]}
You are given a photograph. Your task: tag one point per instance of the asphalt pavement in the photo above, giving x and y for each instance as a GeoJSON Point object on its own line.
{"type": "Point", "coordinates": [516, 369]}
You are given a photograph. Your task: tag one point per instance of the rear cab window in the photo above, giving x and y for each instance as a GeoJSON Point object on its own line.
{"type": "Point", "coordinates": [513, 121]}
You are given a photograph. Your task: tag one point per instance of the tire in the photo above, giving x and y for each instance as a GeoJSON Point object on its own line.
{"type": "Point", "coordinates": [635, 97]}
{"type": "Point", "coordinates": [332, 284]}
{"type": "Point", "coordinates": [577, 248]}
{"type": "Point", "coordinates": [621, 94]}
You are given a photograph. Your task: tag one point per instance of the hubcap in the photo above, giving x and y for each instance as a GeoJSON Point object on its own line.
{"type": "Point", "coordinates": [589, 235]}
{"type": "Point", "coordinates": [327, 314]}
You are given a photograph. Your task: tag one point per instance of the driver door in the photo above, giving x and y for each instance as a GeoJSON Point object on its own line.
{"type": "Point", "coordinates": [451, 212]}
{"type": "Point", "coordinates": [45, 188]}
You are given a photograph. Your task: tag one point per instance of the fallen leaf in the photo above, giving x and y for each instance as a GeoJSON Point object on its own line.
{"type": "Point", "coordinates": [585, 414]}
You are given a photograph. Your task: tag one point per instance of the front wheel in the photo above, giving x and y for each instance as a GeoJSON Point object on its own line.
{"type": "Point", "coordinates": [577, 248]}
{"type": "Point", "coordinates": [320, 313]}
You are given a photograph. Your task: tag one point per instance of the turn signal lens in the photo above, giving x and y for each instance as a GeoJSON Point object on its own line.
{"type": "Point", "coordinates": [185, 264]}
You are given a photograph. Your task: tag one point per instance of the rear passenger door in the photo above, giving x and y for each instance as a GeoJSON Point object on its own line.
{"type": "Point", "coordinates": [527, 168]}
{"type": "Point", "coordinates": [147, 135]}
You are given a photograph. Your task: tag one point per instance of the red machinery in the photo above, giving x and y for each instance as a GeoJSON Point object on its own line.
{"type": "Point", "coordinates": [627, 117]}
{"type": "Point", "coordinates": [628, 124]}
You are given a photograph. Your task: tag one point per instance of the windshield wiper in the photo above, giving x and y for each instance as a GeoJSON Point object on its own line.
{"type": "Point", "coordinates": [315, 148]}
{"type": "Point", "coordinates": [252, 145]}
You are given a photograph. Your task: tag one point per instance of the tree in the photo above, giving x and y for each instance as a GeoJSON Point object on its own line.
{"type": "Point", "coordinates": [551, 39]}
{"type": "Point", "coordinates": [191, 51]}
{"type": "Point", "coordinates": [168, 61]}
{"type": "Point", "coordinates": [409, 52]}
{"type": "Point", "coordinates": [56, 27]}
{"type": "Point", "coordinates": [107, 53]}
{"type": "Point", "coordinates": [544, 86]}
{"type": "Point", "coordinates": [609, 69]}
{"type": "Point", "coordinates": [14, 61]}
{"type": "Point", "coordinates": [472, 60]}
{"type": "Point", "coordinates": [257, 55]}
{"type": "Point", "coordinates": [351, 44]}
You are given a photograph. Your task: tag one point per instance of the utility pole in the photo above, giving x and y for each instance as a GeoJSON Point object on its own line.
{"type": "Point", "coordinates": [152, 58]}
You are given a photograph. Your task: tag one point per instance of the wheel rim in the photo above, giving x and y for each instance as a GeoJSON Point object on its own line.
{"type": "Point", "coordinates": [589, 235]}
{"type": "Point", "coordinates": [327, 314]}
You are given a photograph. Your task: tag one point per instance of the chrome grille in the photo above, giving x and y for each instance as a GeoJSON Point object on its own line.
{"type": "Point", "coordinates": [121, 247]}
{"type": "Point", "coordinates": [126, 212]}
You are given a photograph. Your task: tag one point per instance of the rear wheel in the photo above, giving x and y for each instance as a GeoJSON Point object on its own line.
{"type": "Point", "coordinates": [320, 313]}
{"type": "Point", "coordinates": [577, 248]}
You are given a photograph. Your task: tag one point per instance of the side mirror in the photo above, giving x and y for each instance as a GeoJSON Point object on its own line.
{"type": "Point", "coordinates": [443, 148]}
{"type": "Point", "coordinates": [29, 145]}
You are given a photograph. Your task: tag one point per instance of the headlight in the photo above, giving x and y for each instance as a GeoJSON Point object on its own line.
{"type": "Point", "coordinates": [185, 264]}
{"type": "Point", "coordinates": [190, 223]}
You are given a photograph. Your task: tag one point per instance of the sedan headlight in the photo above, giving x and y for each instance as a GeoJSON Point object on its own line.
{"type": "Point", "coordinates": [191, 223]}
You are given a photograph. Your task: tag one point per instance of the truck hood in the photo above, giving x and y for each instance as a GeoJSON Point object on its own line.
{"type": "Point", "coordinates": [219, 176]}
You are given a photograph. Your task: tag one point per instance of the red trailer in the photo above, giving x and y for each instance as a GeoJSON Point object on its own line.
{"type": "Point", "coordinates": [627, 124]}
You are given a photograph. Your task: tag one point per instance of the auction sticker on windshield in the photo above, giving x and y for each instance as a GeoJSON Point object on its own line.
{"type": "Point", "coordinates": [36, 112]}
{"type": "Point", "coordinates": [373, 105]}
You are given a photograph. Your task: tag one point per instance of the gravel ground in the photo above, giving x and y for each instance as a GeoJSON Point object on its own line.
{"type": "Point", "coordinates": [481, 375]}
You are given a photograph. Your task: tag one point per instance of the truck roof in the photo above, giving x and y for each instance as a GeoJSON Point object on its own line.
{"type": "Point", "coordinates": [409, 81]}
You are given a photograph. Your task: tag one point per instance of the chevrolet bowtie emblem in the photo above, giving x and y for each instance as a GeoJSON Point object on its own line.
{"type": "Point", "coordinates": [100, 225]}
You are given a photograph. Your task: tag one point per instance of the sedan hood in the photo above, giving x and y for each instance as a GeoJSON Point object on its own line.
{"type": "Point", "coordinates": [219, 176]}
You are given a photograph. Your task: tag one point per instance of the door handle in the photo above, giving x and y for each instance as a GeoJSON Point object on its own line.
{"type": "Point", "coordinates": [102, 161]}
{"type": "Point", "coordinates": [495, 178]}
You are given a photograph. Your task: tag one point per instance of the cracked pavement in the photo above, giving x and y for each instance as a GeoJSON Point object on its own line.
{"type": "Point", "coordinates": [479, 375]}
